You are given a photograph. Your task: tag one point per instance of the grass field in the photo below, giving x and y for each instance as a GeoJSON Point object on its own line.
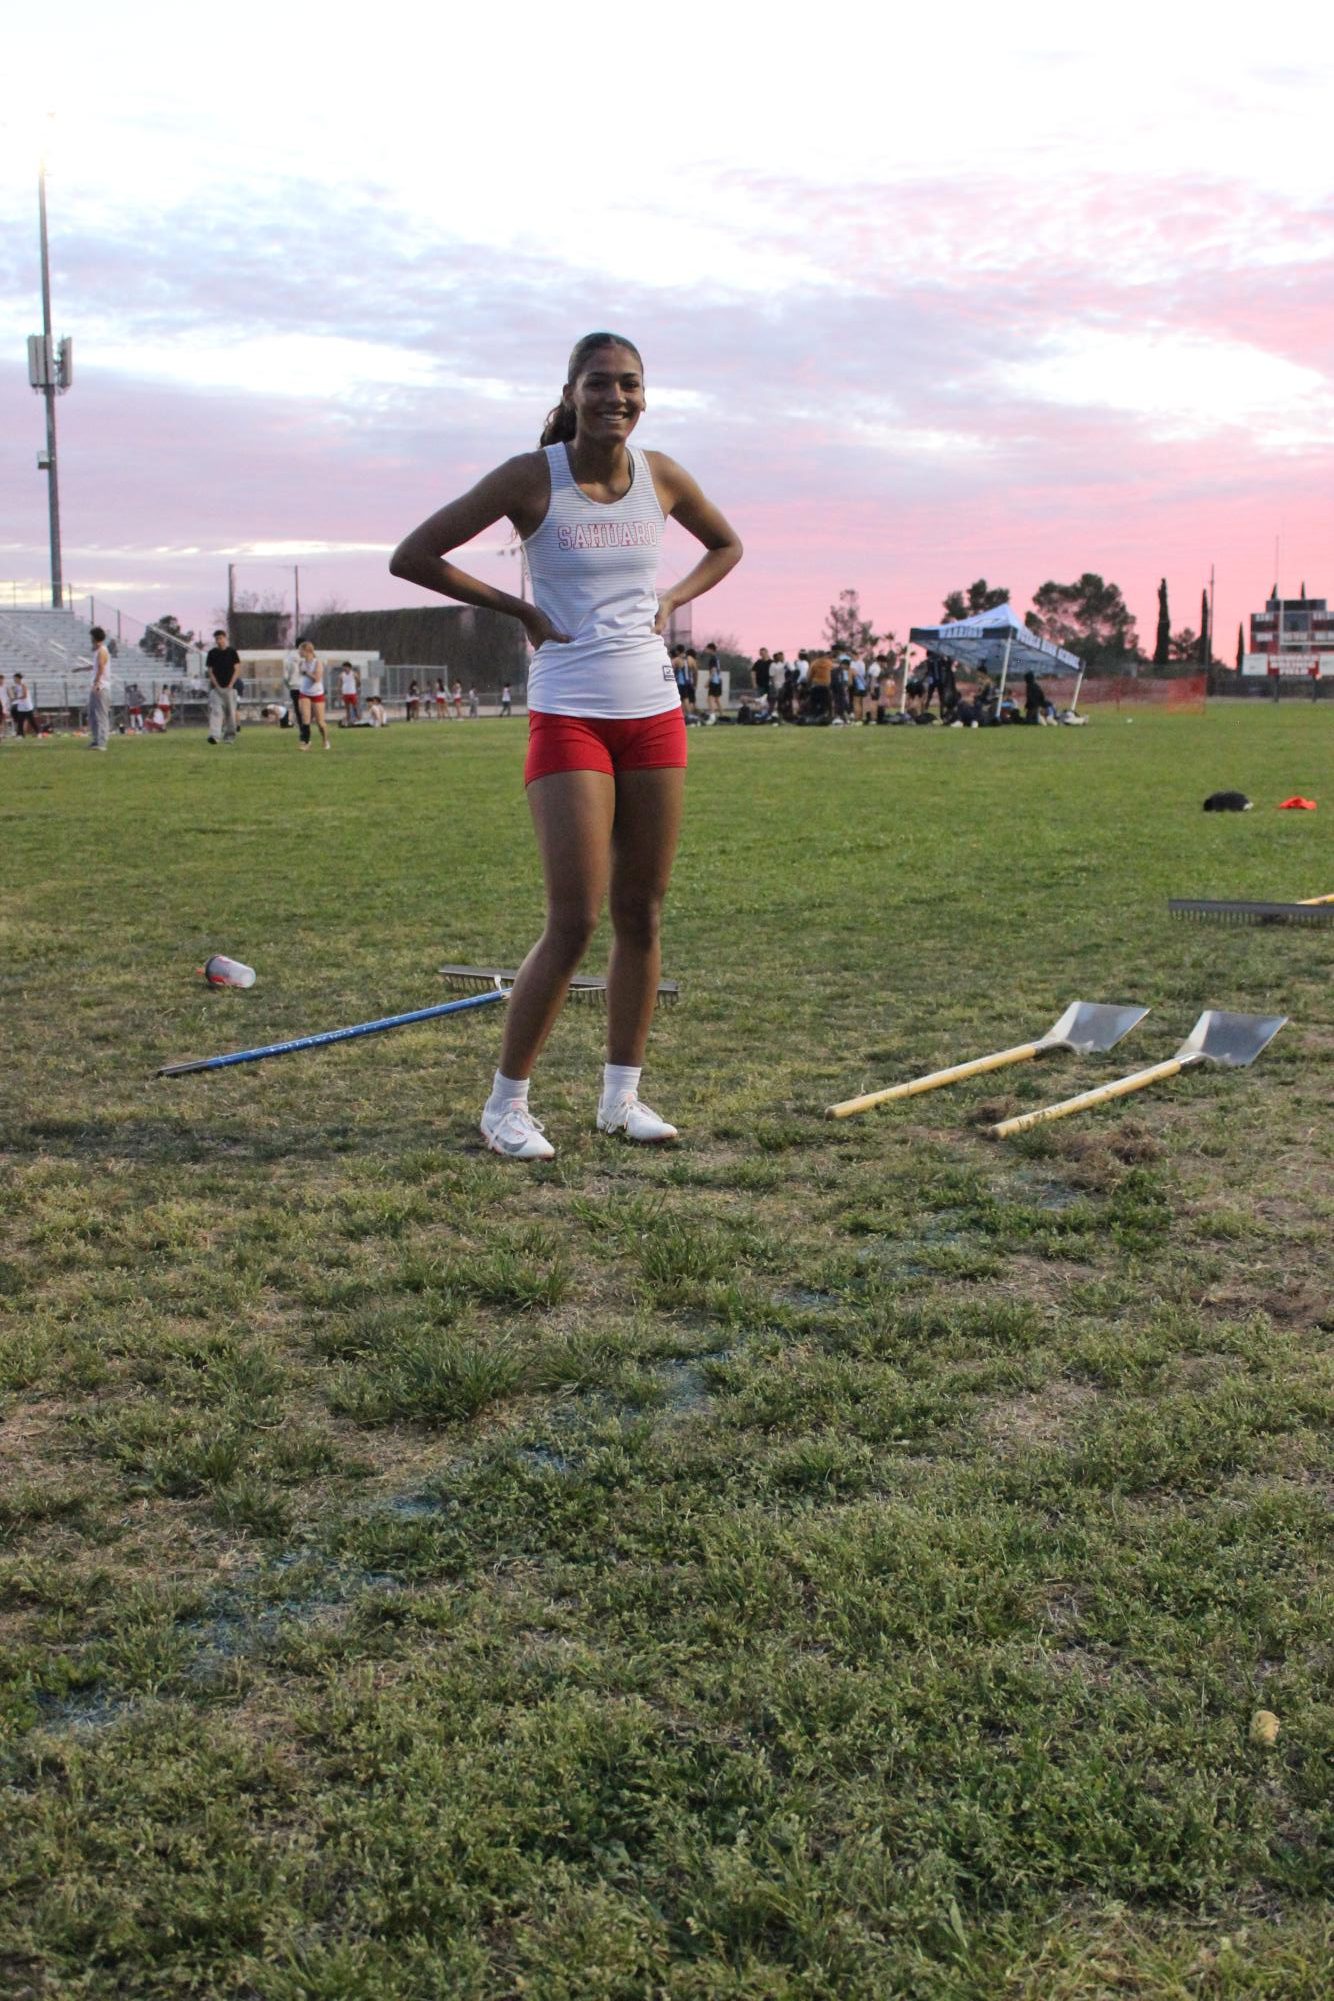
{"type": "Point", "coordinates": [825, 1560]}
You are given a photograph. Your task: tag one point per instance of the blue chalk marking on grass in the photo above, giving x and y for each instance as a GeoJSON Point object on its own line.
{"type": "Point", "coordinates": [334, 1035]}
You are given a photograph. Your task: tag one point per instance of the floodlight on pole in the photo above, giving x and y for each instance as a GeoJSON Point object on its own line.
{"type": "Point", "coordinates": [51, 372]}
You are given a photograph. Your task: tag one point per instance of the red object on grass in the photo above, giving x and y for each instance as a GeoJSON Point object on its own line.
{"type": "Point", "coordinates": [1296, 804]}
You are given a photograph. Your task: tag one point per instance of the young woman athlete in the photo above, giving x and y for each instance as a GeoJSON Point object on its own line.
{"type": "Point", "coordinates": [310, 695]}
{"type": "Point", "coordinates": [606, 740]}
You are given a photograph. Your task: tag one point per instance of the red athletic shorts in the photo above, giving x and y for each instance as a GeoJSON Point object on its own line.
{"type": "Point", "coordinates": [604, 743]}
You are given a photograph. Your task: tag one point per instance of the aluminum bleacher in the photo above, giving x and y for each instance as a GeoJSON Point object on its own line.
{"type": "Point", "coordinates": [53, 652]}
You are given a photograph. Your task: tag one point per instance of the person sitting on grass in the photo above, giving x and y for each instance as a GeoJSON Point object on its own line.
{"type": "Point", "coordinates": [375, 714]}
{"type": "Point", "coordinates": [1037, 709]}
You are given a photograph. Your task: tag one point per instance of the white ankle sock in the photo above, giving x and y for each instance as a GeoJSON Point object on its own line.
{"type": "Point", "coordinates": [504, 1090]}
{"type": "Point", "coordinates": [618, 1081]}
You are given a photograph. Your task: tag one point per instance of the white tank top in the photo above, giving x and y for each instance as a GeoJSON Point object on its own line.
{"type": "Point", "coordinates": [594, 568]}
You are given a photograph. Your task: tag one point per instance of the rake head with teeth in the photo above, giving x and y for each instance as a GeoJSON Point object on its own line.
{"type": "Point", "coordinates": [1318, 910]}
{"type": "Point", "coordinates": [583, 987]}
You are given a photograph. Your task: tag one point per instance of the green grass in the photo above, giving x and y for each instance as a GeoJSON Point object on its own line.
{"type": "Point", "coordinates": [826, 1560]}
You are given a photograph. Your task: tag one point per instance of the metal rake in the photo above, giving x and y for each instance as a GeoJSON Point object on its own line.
{"type": "Point", "coordinates": [583, 987]}
{"type": "Point", "coordinates": [1311, 910]}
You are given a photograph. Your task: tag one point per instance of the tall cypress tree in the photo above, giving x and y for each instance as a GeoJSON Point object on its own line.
{"type": "Point", "coordinates": [1241, 646]}
{"type": "Point", "coordinates": [1162, 645]}
{"type": "Point", "coordinates": [1206, 637]}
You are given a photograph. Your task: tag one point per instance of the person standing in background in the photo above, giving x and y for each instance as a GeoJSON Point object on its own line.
{"type": "Point", "coordinates": [506, 699]}
{"type": "Point", "coordinates": [713, 668]}
{"type": "Point", "coordinates": [310, 698]}
{"type": "Point", "coordinates": [820, 702]}
{"type": "Point", "coordinates": [223, 664]}
{"type": "Point", "coordinates": [20, 703]}
{"type": "Point", "coordinates": [4, 706]}
{"type": "Point", "coordinates": [293, 671]}
{"type": "Point", "coordinates": [350, 689]}
{"type": "Point", "coordinates": [99, 694]}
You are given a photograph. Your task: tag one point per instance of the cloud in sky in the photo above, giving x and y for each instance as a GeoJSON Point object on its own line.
{"type": "Point", "coordinates": [1034, 301]}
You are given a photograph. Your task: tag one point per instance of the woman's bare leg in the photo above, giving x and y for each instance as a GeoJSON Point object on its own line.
{"type": "Point", "coordinates": [572, 817]}
{"type": "Point", "coordinates": [643, 847]}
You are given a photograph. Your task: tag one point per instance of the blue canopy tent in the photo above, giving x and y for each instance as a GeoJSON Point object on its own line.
{"type": "Point", "coordinates": [998, 640]}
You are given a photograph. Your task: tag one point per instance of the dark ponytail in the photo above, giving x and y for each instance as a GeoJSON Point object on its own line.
{"type": "Point", "coordinates": [560, 426]}
{"type": "Point", "coordinates": [562, 423]}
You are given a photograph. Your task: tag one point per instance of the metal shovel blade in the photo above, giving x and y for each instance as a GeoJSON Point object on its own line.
{"type": "Point", "coordinates": [1089, 1025]}
{"type": "Point", "coordinates": [1234, 1039]}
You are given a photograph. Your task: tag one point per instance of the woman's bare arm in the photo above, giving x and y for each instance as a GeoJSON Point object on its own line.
{"type": "Point", "coordinates": [514, 491]}
{"type": "Point", "coordinates": [682, 499]}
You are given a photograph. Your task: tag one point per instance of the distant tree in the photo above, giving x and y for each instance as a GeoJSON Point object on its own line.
{"type": "Point", "coordinates": [1206, 636]}
{"type": "Point", "coordinates": [1089, 618]}
{"type": "Point", "coordinates": [845, 630]}
{"type": "Point", "coordinates": [1241, 646]}
{"type": "Point", "coordinates": [978, 597]}
{"type": "Point", "coordinates": [1162, 645]}
{"type": "Point", "coordinates": [1184, 645]}
{"type": "Point", "coordinates": [162, 643]}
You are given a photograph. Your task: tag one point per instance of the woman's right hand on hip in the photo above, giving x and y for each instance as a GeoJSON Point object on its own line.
{"type": "Point", "coordinates": [540, 628]}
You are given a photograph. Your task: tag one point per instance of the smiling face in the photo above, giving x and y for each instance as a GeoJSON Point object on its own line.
{"type": "Point", "coordinates": [607, 396]}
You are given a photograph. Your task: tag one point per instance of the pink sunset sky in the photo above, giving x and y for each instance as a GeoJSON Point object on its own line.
{"type": "Point", "coordinates": [1008, 297]}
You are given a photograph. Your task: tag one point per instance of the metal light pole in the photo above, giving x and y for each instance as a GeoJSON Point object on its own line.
{"type": "Point", "coordinates": [51, 370]}
{"type": "Point", "coordinates": [516, 549]}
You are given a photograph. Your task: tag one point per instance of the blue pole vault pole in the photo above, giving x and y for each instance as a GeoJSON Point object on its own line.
{"type": "Point", "coordinates": [333, 1035]}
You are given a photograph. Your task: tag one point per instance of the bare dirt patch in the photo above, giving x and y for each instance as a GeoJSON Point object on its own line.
{"type": "Point", "coordinates": [1046, 1417]}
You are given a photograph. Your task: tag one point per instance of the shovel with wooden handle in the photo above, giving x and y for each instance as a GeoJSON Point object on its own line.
{"type": "Point", "coordinates": [1085, 1026]}
{"type": "Point", "coordinates": [1232, 1039]}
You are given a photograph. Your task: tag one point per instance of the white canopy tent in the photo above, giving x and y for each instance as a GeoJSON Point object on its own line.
{"type": "Point", "coordinates": [998, 640]}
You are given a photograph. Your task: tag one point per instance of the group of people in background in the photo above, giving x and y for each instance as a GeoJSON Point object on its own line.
{"type": "Point", "coordinates": [818, 686]}
{"type": "Point", "coordinates": [687, 669]}
{"type": "Point", "coordinates": [983, 706]}
{"type": "Point", "coordinates": [814, 686]}
{"type": "Point", "coordinates": [842, 688]}
{"type": "Point", "coordinates": [449, 703]}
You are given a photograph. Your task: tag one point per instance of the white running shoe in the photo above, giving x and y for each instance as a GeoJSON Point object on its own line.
{"type": "Point", "coordinates": [513, 1131]}
{"type": "Point", "coordinates": [637, 1121]}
